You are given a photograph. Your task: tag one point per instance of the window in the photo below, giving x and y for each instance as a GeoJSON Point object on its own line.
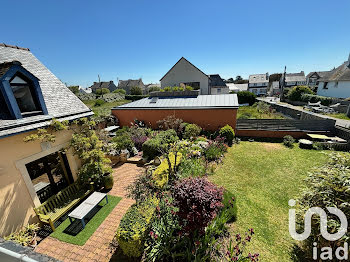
{"type": "Point", "coordinates": [335, 84]}
{"type": "Point", "coordinates": [25, 96]}
{"type": "Point", "coordinates": [194, 85]}
{"type": "Point", "coordinates": [219, 90]}
{"type": "Point", "coordinates": [325, 85]}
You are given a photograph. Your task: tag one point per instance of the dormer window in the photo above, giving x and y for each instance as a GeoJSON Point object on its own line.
{"type": "Point", "coordinates": [25, 96]}
{"type": "Point", "coordinates": [21, 91]}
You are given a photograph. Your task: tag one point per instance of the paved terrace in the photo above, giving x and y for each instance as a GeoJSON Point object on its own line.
{"type": "Point", "coordinates": [97, 248]}
{"type": "Point", "coordinates": [273, 100]}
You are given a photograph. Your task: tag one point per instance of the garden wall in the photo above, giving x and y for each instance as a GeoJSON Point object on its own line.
{"type": "Point", "coordinates": [208, 119]}
{"type": "Point", "coordinates": [278, 128]}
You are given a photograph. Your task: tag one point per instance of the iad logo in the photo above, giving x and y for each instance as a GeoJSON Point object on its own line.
{"type": "Point", "coordinates": [327, 252]}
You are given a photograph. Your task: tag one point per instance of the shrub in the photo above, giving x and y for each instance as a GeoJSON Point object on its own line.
{"type": "Point", "coordinates": [122, 140]}
{"type": "Point", "coordinates": [192, 131]}
{"type": "Point", "coordinates": [198, 201]}
{"type": "Point", "coordinates": [296, 92]}
{"type": "Point", "coordinates": [99, 102]}
{"type": "Point", "coordinates": [192, 167]}
{"type": "Point", "coordinates": [25, 236]}
{"type": "Point", "coordinates": [161, 174]}
{"type": "Point", "coordinates": [120, 91]}
{"type": "Point", "coordinates": [159, 144]}
{"type": "Point", "coordinates": [134, 226]}
{"type": "Point", "coordinates": [154, 89]}
{"type": "Point", "coordinates": [188, 88]}
{"type": "Point", "coordinates": [326, 101]}
{"type": "Point", "coordinates": [326, 186]}
{"type": "Point", "coordinates": [228, 133]}
{"type": "Point", "coordinates": [135, 97]}
{"type": "Point", "coordinates": [102, 91]}
{"type": "Point", "coordinates": [246, 97]}
{"type": "Point", "coordinates": [171, 122]}
{"type": "Point", "coordinates": [135, 90]}
{"type": "Point", "coordinates": [215, 149]}
{"type": "Point", "coordinates": [166, 89]}
{"type": "Point", "coordinates": [288, 141]}
{"type": "Point", "coordinates": [143, 187]}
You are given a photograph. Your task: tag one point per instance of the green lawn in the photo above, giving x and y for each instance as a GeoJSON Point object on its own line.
{"type": "Point", "coordinates": [64, 232]}
{"type": "Point", "coordinates": [251, 112]}
{"type": "Point", "coordinates": [339, 115]}
{"type": "Point", "coordinates": [264, 176]}
{"type": "Point", "coordinates": [104, 109]}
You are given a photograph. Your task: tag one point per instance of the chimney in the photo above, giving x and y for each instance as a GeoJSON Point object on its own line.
{"type": "Point", "coordinates": [95, 83]}
{"type": "Point", "coordinates": [267, 76]}
{"type": "Point", "coordinates": [111, 82]}
{"type": "Point", "coordinates": [302, 72]}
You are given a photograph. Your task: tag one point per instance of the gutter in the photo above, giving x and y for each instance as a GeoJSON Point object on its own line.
{"type": "Point", "coordinates": [173, 108]}
{"type": "Point", "coordinates": [7, 255]}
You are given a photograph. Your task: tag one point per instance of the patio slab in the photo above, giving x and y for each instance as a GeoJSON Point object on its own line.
{"type": "Point", "coordinates": [97, 248]}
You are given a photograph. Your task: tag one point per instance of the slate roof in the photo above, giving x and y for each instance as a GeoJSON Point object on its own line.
{"type": "Point", "coordinates": [319, 73]}
{"type": "Point", "coordinates": [341, 73]}
{"type": "Point", "coordinates": [61, 103]}
{"type": "Point", "coordinates": [258, 78]}
{"type": "Point", "coordinates": [130, 83]}
{"type": "Point", "coordinates": [98, 85]}
{"type": "Point", "coordinates": [199, 102]}
{"type": "Point", "coordinates": [295, 77]}
{"type": "Point", "coordinates": [216, 80]}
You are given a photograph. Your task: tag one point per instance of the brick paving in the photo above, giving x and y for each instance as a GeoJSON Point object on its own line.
{"type": "Point", "coordinates": [97, 248]}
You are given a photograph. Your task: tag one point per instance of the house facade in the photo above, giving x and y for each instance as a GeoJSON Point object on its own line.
{"type": "Point", "coordinates": [313, 77]}
{"type": "Point", "coordinates": [30, 97]}
{"type": "Point", "coordinates": [336, 83]}
{"type": "Point", "coordinates": [99, 85]}
{"type": "Point", "coordinates": [258, 84]}
{"type": "Point", "coordinates": [128, 84]}
{"type": "Point", "coordinates": [217, 85]}
{"type": "Point", "coordinates": [209, 112]}
{"type": "Point", "coordinates": [293, 79]}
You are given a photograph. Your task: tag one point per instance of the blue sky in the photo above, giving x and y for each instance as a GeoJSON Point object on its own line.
{"type": "Point", "coordinates": [78, 40]}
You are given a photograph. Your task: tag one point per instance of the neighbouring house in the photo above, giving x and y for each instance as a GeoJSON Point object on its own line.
{"type": "Point", "coordinates": [293, 79]}
{"type": "Point", "coordinates": [217, 85]}
{"type": "Point", "coordinates": [235, 88]}
{"type": "Point", "coordinates": [313, 77]}
{"type": "Point", "coordinates": [99, 85]}
{"type": "Point", "coordinates": [275, 88]}
{"type": "Point", "coordinates": [30, 97]}
{"type": "Point", "coordinates": [85, 90]}
{"type": "Point", "coordinates": [128, 84]}
{"type": "Point", "coordinates": [258, 83]}
{"type": "Point", "coordinates": [209, 112]}
{"type": "Point", "coordinates": [336, 83]}
{"type": "Point", "coordinates": [184, 73]}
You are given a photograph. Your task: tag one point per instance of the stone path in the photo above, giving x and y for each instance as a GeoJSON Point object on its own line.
{"type": "Point", "coordinates": [97, 248]}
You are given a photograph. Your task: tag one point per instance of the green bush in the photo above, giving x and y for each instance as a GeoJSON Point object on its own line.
{"type": "Point", "coordinates": [188, 88]}
{"type": "Point", "coordinates": [160, 175]}
{"type": "Point", "coordinates": [102, 91]}
{"type": "Point", "coordinates": [296, 92]}
{"type": "Point", "coordinates": [133, 229]}
{"type": "Point", "coordinates": [135, 97]}
{"type": "Point", "coordinates": [326, 101]}
{"type": "Point", "coordinates": [154, 89]}
{"type": "Point", "coordinates": [246, 97]}
{"type": "Point", "coordinates": [192, 167]}
{"type": "Point", "coordinates": [120, 91]}
{"type": "Point", "coordinates": [122, 140]}
{"type": "Point", "coordinates": [228, 133]}
{"type": "Point", "coordinates": [99, 102]}
{"type": "Point", "coordinates": [288, 141]}
{"type": "Point", "coordinates": [159, 144]}
{"type": "Point", "coordinates": [192, 131]}
{"type": "Point", "coordinates": [135, 90]}
{"type": "Point", "coordinates": [108, 181]}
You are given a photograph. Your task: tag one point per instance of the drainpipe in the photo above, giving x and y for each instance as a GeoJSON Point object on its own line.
{"type": "Point", "coordinates": [9, 256]}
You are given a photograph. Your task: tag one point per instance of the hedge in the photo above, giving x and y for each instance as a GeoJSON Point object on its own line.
{"type": "Point", "coordinates": [160, 175]}
{"type": "Point", "coordinates": [326, 101]}
{"type": "Point", "coordinates": [246, 97]}
{"type": "Point", "coordinates": [133, 228]}
{"type": "Point", "coordinates": [135, 97]}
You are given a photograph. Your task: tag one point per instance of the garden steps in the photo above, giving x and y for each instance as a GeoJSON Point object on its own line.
{"type": "Point", "coordinates": [135, 160]}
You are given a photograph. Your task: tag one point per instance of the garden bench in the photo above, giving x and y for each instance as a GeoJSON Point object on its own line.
{"type": "Point", "coordinates": [56, 206]}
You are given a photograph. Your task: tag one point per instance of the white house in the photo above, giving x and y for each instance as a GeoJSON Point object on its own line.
{"type": "Point", "coordinates": [336, 83]}
{"type": "Point", "coordinates": [258, 83]}
{"type": "Point", "coordinates": [313, 77]}
{"type": "Point", "coordinates": [235, 88]}
{"type": "Point", "coordinates": [294, 79]}
{"type": "Point", "coordinates": [184, 73]}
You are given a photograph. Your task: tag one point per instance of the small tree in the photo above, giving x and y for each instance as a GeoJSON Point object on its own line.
{"type": "Point", "coordinates": [120, 91]}
{"type": "Point", "coordinates": [136, 90]}
{"type": "Point", "coordinates": [74, 89]}
{"type": "Point", "coordinates": [296, 92]}
{"type": "Point", "coordinates": [102, 91]}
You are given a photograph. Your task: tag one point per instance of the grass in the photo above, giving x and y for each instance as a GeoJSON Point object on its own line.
{"type": "Point", "coordinates": [75, 234]}
{"type": "Point", "coordinates": [251, 112]}
{"type": "Point", "coordinates": [339, 115]}
{"type": "Point", "coordinates": [264, 176]}
{"type": "Point", "coordinates": [104, 109]}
